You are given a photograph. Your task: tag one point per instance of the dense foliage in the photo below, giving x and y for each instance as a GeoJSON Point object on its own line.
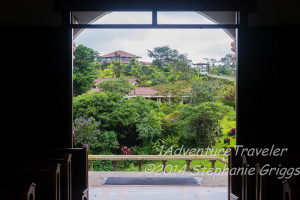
{"type": "Point", "coordinates": [133, 120]}
{"type": "Point", "coordinates": [85, 69]}
{"type": "Point", "coordinates": [87, 131]}
{"type": "Point", "coordinates": [112, 123]}
{"type": "Point", "coordinates": [145, 124]}
{"type": "Point", "coordinates": [224, 67]}
{"type": "Point", "coordinates": [202, 122]}
{"type": "Point", "coordinates": [116, 85]}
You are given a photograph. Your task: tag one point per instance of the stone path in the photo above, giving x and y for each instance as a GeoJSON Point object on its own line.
{"type": "Point", "coordinates": [211, 188]}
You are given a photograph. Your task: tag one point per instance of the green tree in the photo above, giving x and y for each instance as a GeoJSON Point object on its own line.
{"type": "Point", "coordinates": [211, 62]}
{"type": "Point", "coordinates": [120, 85]}
{"type": "Point", "coordinates": [158, 77]}
{"type": "Point", "coordinates": [133, 68]}
{"type": "Point", "coordinates": [136, 69]}
{"type": "Point", "coordinates": [149, 128]}
{"type": "Point", "coordinates": [85, 69]}
{"type": "Point", "coordinates": [204, 91]}
{"type": "Point", "coordinates": [163, 55]}
{"type": "Point", "coordinates": [201, 122]}
{"type": "Point", "coordinates": [225, 66]}
{"type": "Point", "coordinates": [223, 70]}
{"type": "Point", "coordinates": [116, 66]}
{"type": "Point", "coordinates": [182, 65]}
{"type": "Point", "coordinates": [119, 115]}
{"type": "Point", "coordinates": [169, 60]}
{"type": "Point", "coordinates": [228, 61]}
{"type": "Point", "coordinates": [87, 131]}
{"type": "Point", "coordinates": [176, 91]}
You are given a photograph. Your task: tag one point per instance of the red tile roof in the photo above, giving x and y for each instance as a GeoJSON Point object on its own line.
{"type": "Point", "coordinates": [200, 63]}
{"type": "Point", "coordinates": [143, 91]}
{"type": "Point", "coordinates": [145, 63]}
{"type": "Point", "coordinates": [121, 53]}
{"type": "Point", "coordinates": [131, 80]}
{"type": "Point", "coordinates": [95, 89]}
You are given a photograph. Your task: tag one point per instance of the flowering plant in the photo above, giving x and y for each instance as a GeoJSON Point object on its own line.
{"type": "Point", "coordinates": [232, 131]}
{"type": "Point", "coordinates": [227, 140]}
{"type": "Point", "coordinates": [87, 131]}
{"type": "Point", "coordinates": [229, 92]}
{"type": "Point", "coordinates": [126, 150]}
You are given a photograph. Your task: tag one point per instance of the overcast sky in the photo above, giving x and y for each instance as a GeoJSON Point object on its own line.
{"type": "Point", "coordinates": [196, 43]}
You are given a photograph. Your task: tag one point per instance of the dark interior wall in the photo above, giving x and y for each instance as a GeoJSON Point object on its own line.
{"type": "Point", "coordinates": [29, 13]}
{"type": "Point", "coordinates": [268, 84]}
{"type": "Point", "coordinates": [35, 87]}
{"type": "Point", "coordinates": [36, 78]}
{"type": "Point", "coordinates": [275, 12]}
{"type": "Point", "coordinates": [267, 77]}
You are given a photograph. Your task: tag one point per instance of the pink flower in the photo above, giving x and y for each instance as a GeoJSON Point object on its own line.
{"type": "Point", "coordinates": [126, 150]}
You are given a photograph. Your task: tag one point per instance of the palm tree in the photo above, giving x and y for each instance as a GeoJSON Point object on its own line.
{"type": "Point", "coordinates": [117, 67]}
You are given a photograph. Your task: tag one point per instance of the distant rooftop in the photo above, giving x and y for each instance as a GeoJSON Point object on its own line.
{"type": "Point", "coordinates": [145, 63]}
{"type": "Point", "coordinates": [143, 91]}
{"type": "Point", "coordinates": [200, 63]}
{"type": "Point", "coordinates": [132, 81]}
{"type": "Point", "coordinates": [121, 53]}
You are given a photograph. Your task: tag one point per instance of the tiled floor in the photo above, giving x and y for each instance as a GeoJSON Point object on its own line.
{"type": "Point", "coordinates": [211, 188]}
{"type": "Point", "coordinates": [96, 178]}
{"type": "Point", "coordinates": [157, 193]}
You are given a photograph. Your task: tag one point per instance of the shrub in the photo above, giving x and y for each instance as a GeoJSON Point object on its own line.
{"type": "Point", "coordinates": [163, 144]}
{"type": "Point", "coordinates": [204, 91]}
{"type": "Point", "coordinates": [225, 146]}
{"type": "Point", "coordinates": [213, 143]}
{"type": "Point", "coordinates": [108, 72]}
{"type": "Point", "coordinates": [227, 140]}
{"type": "Point", "coordinates": [145, 149]}
{"type": "Point", "coordinates": [120, 115]}
{"type": "Point", "coordinates": [103, 165]}
{"type": "Point", "coordinates": [229, 93]}
{"type": "Point", "coordinates": [219, 131]}
{"type": "Point", "coordinates": [87, 131]}
{"type": "Point", "coordinates": [231, 132]}
{"type": "Point", "coordinates": [201, 122]}
{"type": "Point", "coordinates": [126, 150]}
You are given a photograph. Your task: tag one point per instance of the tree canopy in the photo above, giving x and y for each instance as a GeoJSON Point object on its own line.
{"type": "Point", "coordinates": [202, 121]}
{"type": "Point", "coordinates": [120, 85]}
{"type": "Point", "coordinates": [85, 69]}
{"type": "Point", "coordinates": [163, 55]}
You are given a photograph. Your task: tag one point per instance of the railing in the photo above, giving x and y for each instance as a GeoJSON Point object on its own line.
{"type": "Point", "coordinates": [163, 158]}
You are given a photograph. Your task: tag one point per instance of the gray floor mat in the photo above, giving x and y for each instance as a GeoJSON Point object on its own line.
{"type": "Point", "coordinates": [152, 181]}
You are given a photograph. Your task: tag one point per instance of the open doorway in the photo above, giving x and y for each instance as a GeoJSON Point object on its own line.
{"type": "Point", "coordinates": [180, 92]}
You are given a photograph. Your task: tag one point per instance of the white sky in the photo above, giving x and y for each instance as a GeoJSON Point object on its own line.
{"type": "Point", "coordinates": [196, 43]}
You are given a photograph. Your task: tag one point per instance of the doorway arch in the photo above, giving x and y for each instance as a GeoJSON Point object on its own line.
{"type": "Point", "coordinates": [218, 17]}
